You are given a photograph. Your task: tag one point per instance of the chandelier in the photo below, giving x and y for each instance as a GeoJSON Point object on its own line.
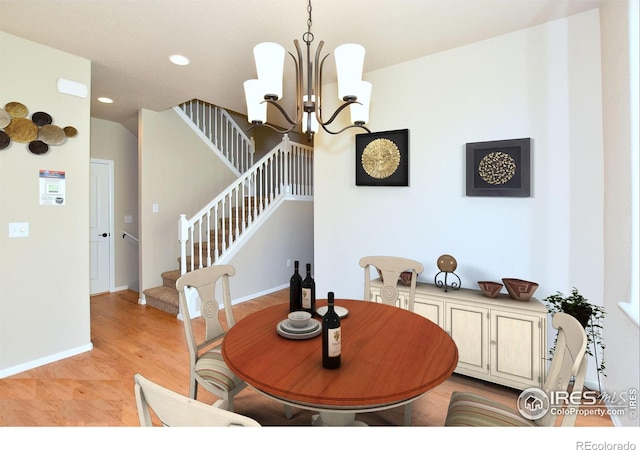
{"type": "Point", "coordinates": [353, 92]}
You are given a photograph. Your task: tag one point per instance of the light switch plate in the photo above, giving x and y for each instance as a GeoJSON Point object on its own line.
{"type": "Point", "coordinates": [18, 229]}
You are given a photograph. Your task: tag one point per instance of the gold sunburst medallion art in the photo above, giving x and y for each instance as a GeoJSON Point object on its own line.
{"type": "Point", "coordinates": [380, 158]}
{"type": "Point", "coordinates": [497, 168]}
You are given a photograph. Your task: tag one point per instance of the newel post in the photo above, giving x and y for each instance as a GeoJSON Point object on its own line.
{"type": "Point", "coordinates": [183, 237]}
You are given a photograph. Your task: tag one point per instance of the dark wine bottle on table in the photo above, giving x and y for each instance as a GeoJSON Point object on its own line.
{"type": "Point", "coordinates": [309, 293]}
{"type": "Point", "coordinates": [295, 289]}
{"type": "Point", "coordinates": [331, 337]}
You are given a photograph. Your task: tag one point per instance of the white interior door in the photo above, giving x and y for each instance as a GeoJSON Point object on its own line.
{"type": "Point", "coordinates": [101, 235]}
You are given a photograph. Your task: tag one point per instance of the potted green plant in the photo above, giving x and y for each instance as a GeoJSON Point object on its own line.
{"type": "Point", "coordinates": [590, 317]}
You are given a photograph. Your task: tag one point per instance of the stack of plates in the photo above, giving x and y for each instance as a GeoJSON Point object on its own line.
{"type": "Point", "coordinates": [285, 329]}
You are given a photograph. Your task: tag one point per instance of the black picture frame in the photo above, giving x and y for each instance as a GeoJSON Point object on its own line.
{"type": "Point", "coordinates": [498, 168]}
{"type": "Point", "coordinates": [368, 175]}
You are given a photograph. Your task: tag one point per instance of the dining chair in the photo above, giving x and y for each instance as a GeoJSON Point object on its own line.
{"type": "Point", "coordinates": [390, 269]}
{"type": "Point", "coordinates": [206, 365]}
{"type": "Point", "coordinates": [566, 373]}
{"type": "Point", "coordinates": [176, 410]}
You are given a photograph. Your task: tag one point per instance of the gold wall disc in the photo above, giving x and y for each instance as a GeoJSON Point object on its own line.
{"type": "Point", "coordinates": [22, 130]}
{"type": "Point", "coordinates": [70, 131]}
{"type": "Point", "coordinates": [380, 158]}
{"type": "Point", "coordinates": [16, 109]}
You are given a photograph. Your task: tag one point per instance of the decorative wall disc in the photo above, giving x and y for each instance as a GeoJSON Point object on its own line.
{"type": "Point", "coordinates": [51, 134]}
{"type": "Point", "coordinates": [5, 118]}
{"type": "Point", "coordinates": [380, 158]}
{"type": "Point", "coordinates": [70, 131]}
{"type": "Point", "coordinates": [38, 147]}
{"type": "Point", "coordinates": [16, 110]}
{"type": "Point", "coordinates": [4, 140]}
{"type": "Point", "coordinates": [22, 130]}
{"type": "Point", "coordinates": [41, 118]}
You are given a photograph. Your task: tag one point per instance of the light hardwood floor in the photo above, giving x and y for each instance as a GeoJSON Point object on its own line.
{"type": "Point", "coordinates": [96, 388]}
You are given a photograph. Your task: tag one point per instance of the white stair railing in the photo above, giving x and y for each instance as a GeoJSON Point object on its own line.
{"type": "Point", "coordinates": [222, 130]}
{"type": "Point", "coordinates": [216, 230]}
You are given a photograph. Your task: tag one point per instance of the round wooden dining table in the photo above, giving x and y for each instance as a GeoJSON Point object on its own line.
{"type": "Point", "coordinates": [390, 356]}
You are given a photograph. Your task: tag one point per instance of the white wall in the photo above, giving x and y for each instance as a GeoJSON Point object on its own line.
{"type": "Point", "coordinates": [543, 83]}
{"type": "Point", "coordinates": [620, 94]}
{"type": "Point", "coordinates": [180, 174]}
{"type": "Point", "coordinates": [261, 264]}
{"type": "Point", "coordinates": [44, 278]}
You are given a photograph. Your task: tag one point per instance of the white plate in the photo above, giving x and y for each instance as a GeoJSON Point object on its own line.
{"type": "Point", "coordinates": [342, 312]}
{"type": "Point", "coordinates": [308, 328]}
{"type": "Point", "coordinates": [284, 333]}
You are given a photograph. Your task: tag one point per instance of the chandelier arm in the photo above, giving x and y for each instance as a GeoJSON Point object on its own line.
{"type": "Point", "coordinates": [281, 131]}
{"type": "Point", "coordinates": [282, 110]}
{"type": "Point", "coordinates": [336, 112]}
{"type": "Point", "coordinates": [318, 78]}
{"type": "Point", "coordinates": [345, 128]}
{"type": "Point", "coordinates": [299, 81]}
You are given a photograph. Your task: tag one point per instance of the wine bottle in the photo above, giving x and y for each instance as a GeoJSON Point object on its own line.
{"type": "Point", "coordinates": [295, 289]}
{"type": "Point", "coordinates": [309, 293]}
{"type": "Point", "coordinates": [331, 337]}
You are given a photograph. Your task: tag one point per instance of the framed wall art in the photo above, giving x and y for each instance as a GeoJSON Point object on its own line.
{"type": "Point", "coordinates": [499, 168]}
{"type": "Point", "coordinates": [382, 158]}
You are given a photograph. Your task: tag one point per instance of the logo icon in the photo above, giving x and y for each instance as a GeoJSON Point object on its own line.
{"type": "Point", "coordinates": [533, 403]}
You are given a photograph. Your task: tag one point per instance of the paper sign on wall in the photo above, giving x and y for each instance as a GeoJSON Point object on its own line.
{"type": "Point", "coordinates": [52, 187]}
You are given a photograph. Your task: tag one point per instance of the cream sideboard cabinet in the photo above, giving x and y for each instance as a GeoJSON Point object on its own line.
{"type": "Point", "coordinates": [500, 340]}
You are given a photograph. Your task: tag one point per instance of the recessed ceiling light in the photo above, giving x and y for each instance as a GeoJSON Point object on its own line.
{"type": "Point", "coordinates": [105, 100]}
{"type": "Point", "coordinates": [179, 60]}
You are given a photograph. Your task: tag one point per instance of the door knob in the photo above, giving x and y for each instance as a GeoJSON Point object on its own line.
{"type": "Point", "coordinates": [104, 235]}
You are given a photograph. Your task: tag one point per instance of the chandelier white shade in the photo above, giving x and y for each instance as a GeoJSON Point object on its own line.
{"type": "Point", "coordinates": [349, 64]}
{"type": "Point", "coordinates": [360, 109]}
{"type": "Point", "coordinates": [269, 58]}
{"type": "Point", "coordinates": [256, 108]}
{"type": "Point", "coordinates": [353, 92]}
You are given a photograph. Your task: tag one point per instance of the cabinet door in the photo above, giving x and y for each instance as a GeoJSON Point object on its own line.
{"type": "Point", "coordinates": [516, 353]}
{"type": "Point", "coordinates": [468, 326]}
{"type": "Point", "coordinates": [431, 309]}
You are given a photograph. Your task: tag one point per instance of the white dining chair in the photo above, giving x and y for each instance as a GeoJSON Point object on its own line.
{"type": "Point", "coordinates": [390, 268]}
{"type": "Point", "coordinates": [176, 410]}
{"type": "Point", "coordinates": [566, 373]}
{"type": "Point", "coordinates": [206, 364]}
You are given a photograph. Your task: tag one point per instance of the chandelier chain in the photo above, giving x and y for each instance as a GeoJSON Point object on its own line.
{"type": "Point", "coordinates": [308, 36]}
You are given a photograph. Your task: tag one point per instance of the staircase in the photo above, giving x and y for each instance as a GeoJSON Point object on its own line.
{"type": "Point", "coordinates": [165, 297]}
{"type": "Point", "coordinates": [219, 230]}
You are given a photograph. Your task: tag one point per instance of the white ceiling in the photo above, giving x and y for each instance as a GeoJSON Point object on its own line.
{"type": "Point", "coordinates": [129, 41]}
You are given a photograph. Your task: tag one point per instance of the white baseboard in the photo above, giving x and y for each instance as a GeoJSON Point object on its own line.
{"type": "Point", "coordinates": [45, 360]}
{"type": "Point", "coordinates": [259, 294]}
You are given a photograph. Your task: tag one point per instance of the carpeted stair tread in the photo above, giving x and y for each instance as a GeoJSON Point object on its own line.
{"type": "Point", "coordinates": [170, 277]}
{"type": "Point", "coordinates": [163, 298]}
